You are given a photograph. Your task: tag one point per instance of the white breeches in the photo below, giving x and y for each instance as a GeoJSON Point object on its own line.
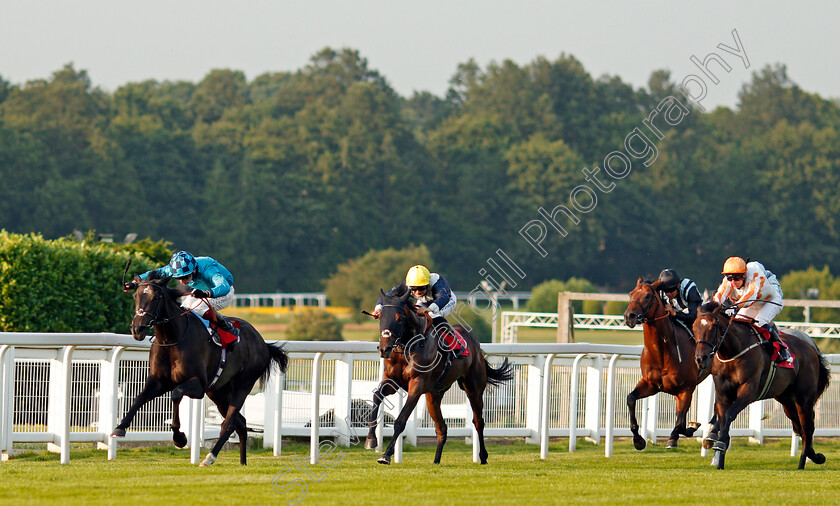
{"type": "Point", "coordinates": [200, 305]}
{"type": "Point", "coordinates": [763, 312]}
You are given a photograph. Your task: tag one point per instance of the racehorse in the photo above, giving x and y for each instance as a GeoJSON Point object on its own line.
{"type": "Point", "coordinates": [667, 360]}
{"type": "Point", "coordinates": [184, 360]}
{"type": "Point", "coordinates": [743, 372]}
{"type": "Point", "coordinates": [408, 342]}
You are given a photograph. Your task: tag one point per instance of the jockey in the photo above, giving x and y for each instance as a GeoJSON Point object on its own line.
{"type": "Point", "coordinates": [431, 292]}
{"type": "Point", "coordinates": [212, 286]}
{"type": "Point", "coordinates": [757, 293]}
{"type": "Point", "coordinates": [682, 295]}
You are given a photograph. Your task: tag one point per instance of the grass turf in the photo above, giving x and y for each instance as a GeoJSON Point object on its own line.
{"type": "Point", "coordinates": [163, 475]}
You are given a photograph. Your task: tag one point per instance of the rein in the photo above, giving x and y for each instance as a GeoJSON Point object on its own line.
{"type": "Point", "coordinates": [398, 344]}
{"type": "Point", "coordinates": [719, 342]}
{"type": "Point", "coordinates": [155, 322]}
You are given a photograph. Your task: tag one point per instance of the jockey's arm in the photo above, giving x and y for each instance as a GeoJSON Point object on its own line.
{"type": "Point", "coordinates": [753, 291]}
{"type": "Point", "coordinates": [723, 291]}
{"type": "Point", "coordinates": [693, 301]}
{"type": "Point", "coordinates": [442, 294]}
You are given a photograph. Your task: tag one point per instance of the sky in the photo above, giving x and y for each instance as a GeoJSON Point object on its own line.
{"type": "Point", "coordinates": [417, 46]}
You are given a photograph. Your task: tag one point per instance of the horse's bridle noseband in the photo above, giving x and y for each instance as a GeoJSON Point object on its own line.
{"type": "Point", "coordinates": [155, 321]}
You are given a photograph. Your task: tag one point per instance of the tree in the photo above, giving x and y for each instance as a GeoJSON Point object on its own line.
{"type": "Point", "coordinates": [357, 282]}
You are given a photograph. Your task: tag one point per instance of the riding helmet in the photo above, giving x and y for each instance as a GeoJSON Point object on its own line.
{"type": "Point", "coordinates": [734, 265]}
{"type": "Point", "coordinates": [669, 280]}
{"type": "Point", "coordinates": [417, 276]}
{"type": "Point", "coordinates": [182, 264]}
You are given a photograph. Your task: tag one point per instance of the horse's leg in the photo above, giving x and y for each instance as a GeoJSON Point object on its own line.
{"type": "Point", "coordinates": [237, 399]}
{"type": "Point", "coordinates": [806, 419]}
{"type": "Point", "coordinates": [476, 397]}
{"type": "Point", "coordinates": [433, 404]}
{"type": "Point", "coordinates": [385, 388]}
{"type": "Point", "coordinates": [414, 392]}
{"type": "Point", "coordinates": [714, 423]}
{"type": "Point", "coordinates": [643, 389]}
{"type": "Point", "coordinates": [746, 395]}
{"type": "Point", "coordinates": [683, 404]}
{"type": "Point", "coordinates": [241, 427]}
{"type": "Point", "coordinates": [190, 388]}
{"type": "Point", "coordinates": [154, 387]}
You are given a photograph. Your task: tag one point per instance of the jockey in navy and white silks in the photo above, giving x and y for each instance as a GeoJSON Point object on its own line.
{"type": "Point", "coordinates": [681, 294]}
{"type": "Point", "coordinates": [435, 295]}
{"type": "Point", "coordinates": [430, 291]}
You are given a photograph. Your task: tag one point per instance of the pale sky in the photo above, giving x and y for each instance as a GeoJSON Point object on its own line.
{"type": "Point", "coordinates": [416, 45]}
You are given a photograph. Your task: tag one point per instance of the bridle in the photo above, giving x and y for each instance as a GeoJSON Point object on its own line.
{"type": "Point", "coordinates": [642, 318]}
{"type": "Point", "coordinates": [155, 319]}
{"type": "Point", "coordinates": [719, 341]}
{"type": "Point", "coordinates": [395, 342]}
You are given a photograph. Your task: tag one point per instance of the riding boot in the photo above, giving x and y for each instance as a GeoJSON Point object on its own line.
{"type": "Point", "coordinates": [784, 354]}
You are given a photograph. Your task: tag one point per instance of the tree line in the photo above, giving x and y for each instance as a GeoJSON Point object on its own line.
{"type": "Point", "coordinates": [287, 176]}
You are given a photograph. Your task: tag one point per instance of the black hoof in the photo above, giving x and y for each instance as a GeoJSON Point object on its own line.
{"type": "Point", "coordinates": [719, 446]}
{"type": "Point", "coordinates": [691, 429]}
{"type": "Point", "coordinates": [384, 460]}
{"type": "Point", "coordinates": [370, 443]}
{"type": "Point", "coordinates": [180, 439]}
{"type": "Point", "coordinates": [672, 443]}
{"type": "Point", "coordinates": [818, 458]}
{"type": "Point", "coordinates": [639, 442]}
{"type": "Point", "coordinates": [118, 432]}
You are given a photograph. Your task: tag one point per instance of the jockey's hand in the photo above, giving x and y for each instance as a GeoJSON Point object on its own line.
{"type": "Point", "coordinates": [377, 313]}
{"type": "Point", "coordinates": [671, 310]}
{"type": "Point", "coordinates": [422, 310]}
{"type": "Point", "coordinates": [201, 294]}
{"type": "Point", "coordinates": [128, 287]}
{"type": "Point", "coordinates": [730, 311]}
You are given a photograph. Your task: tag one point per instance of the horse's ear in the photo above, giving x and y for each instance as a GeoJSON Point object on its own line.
{"type": "Point", "coordinates": [707, 296]}
{"type": "Point", "coordinates": [382, 293]}
{"type": "Point", "coordinates": [405, 297]}
{"type": "Point", "coordinates": [655, 285]}
{"type": "Point", "coordinates": [639, 282]}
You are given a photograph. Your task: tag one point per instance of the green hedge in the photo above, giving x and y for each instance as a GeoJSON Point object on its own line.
{"type": "Point", "coordinates": [64, 285]}
{"type": "Point", "coordinates": [544, 296]}
{"type": "Point", "coordinates": [314, 325]}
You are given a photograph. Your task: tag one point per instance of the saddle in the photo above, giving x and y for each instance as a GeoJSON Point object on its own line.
{"type": "Point", "coordinates": [764, 334]}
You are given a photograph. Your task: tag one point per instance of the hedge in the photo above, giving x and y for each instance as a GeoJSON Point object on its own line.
{"type": "Point", "coordinates": [64, 285]}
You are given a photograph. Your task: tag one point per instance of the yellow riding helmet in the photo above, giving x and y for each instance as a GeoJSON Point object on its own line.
{"type": "Point", "coordinates": [734, 265]}
{"type": "Point", "coordinates": [417, 276]}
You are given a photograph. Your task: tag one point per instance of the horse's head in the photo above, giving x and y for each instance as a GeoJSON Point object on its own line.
{"type": "Point", "coordinates": [150, 301]}
{"type": "Point", "coordinates": [644, 299]}
{"type": "Point", "coordinates": [709, 331]}
{"type": "Point", "coordinates": [395, 322]}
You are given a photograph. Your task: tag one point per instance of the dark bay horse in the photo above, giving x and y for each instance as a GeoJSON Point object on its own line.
{"type": "Point", "coordinates": [744, 372]}
{"type": "Point", "coordinates": [667, 360]}
{"type": "Point", "coordinates": [409, 345]}
{"type": "Point", "coordinates": [184, 361]}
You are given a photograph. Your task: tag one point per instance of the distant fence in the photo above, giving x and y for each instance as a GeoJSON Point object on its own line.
{"type": "Point", "coordinates": [63, 388]}
{"type": "Point", "coordinates": [320, 299]}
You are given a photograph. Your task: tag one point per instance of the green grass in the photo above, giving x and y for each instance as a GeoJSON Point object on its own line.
{"type": "Point", "coordinates": [163, 475]}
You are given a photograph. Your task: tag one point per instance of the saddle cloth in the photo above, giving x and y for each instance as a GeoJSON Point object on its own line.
{"type": "Point", "coordinates": [765, 334]}
{"type": "Point", "coordinates": [220, 337]}
{"type": "Point", "coordinates": [455, 342]}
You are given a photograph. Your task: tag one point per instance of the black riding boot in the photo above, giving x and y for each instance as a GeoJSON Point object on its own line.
{"type": "Point", "coordinates": [784, 354]}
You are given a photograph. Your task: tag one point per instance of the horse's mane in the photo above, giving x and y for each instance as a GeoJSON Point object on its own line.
{"type": "Point", "coordinates": [709, 307]}
{"type": "Point", "coordinates": [648, 281]}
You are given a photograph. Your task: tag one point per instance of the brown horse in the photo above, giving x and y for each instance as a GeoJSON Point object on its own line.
{"type": "Point", "coordinates": [744, 372]}
{"type": "Point", "coordinates": [409, 344]}
{"type": "Point", "coordinates": [667, 360]}
{"type": "Point", "coordinates": [183, 360]}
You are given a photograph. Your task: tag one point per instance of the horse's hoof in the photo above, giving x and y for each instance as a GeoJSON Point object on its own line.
{"type": "Point", "coordinates": [180, 439]}
{"type": "Point", "coordinates": [672, 443]}
{"type": "Point", "coordinates": [691, 429]}
{"type": "Point", "coordinates": [384, 460]}
{"type": "Point", "coordinates": [708, 442]}
{"type": "Point", "coordinates": [818, 458]}
{"type": "Point", "coordinates": [719, 446]}
{"type": "Point", "coordinates": [118, 433]}
{"type": "Point", "coordinates": [370, 443]}
{"type": "Point", "coordinates": [639, 442]}
{"type": "Point", "coordinates": [208, 460]}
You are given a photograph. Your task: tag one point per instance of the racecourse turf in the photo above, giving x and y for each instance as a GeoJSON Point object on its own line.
{"type": "Point", "coordinates": [164, 476]}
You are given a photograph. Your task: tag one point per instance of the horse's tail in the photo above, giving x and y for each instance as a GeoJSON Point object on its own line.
{"type": "Point", "coordinates": [279, 358]}
{"type": "Point", "coordinates": [824, 375]}
{"type": "Point", "coordinates": [500, 374]}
